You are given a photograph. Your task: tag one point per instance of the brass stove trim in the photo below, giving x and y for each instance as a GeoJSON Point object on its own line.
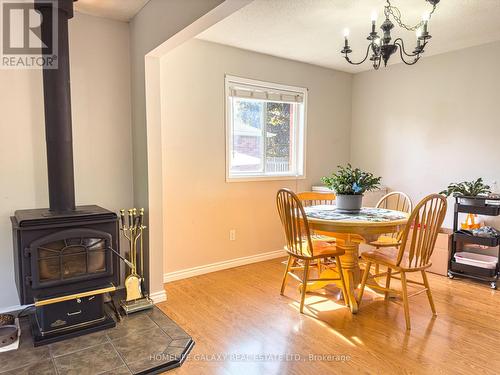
{"type": "Point", "coordinates": [49, 301]}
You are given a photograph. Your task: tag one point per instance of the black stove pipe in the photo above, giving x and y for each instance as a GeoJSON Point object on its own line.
{"type": "Point", "coordinates": [57, 99]}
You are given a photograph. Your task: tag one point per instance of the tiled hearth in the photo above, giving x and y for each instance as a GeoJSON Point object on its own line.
{"type": "Point", "coordinates": [147, 342]}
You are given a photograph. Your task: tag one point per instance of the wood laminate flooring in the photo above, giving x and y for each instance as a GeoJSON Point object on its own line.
{"type": "Point", "coordinates": [241, 325]}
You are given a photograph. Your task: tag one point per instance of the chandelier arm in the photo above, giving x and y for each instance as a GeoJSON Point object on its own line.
{"type": "Point", "coordinates": [402, 48]}
{"type": "Point", "coordinates": [402, 56]}
{"type": "Point", "coordinates": [362, 61]}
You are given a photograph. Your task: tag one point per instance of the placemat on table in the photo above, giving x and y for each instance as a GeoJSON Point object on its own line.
{"type": "Point", "coordinates": [366, 214]}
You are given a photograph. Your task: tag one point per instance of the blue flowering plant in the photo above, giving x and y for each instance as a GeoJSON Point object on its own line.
{"type": "Point", "coordinates": [351, 181]}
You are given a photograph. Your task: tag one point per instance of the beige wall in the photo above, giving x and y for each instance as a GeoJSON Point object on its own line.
{"type": "Point", "coordinates": [157, 22]}
{"type": "Point", "coordinates": [154, 24]}
{"type": "Point", "coordinates": [424, 126]}
{"type": "Point", "coordinates": [100, 88]}
{"type": "Point", "coordinates": [200, 206]}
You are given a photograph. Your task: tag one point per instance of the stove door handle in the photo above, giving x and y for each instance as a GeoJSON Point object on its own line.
{"type": "Point", "coordinates": [75, 313]}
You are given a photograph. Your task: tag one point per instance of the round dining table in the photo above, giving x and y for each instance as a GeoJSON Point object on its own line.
{"type": "Point", "coordinates": [350, 230]}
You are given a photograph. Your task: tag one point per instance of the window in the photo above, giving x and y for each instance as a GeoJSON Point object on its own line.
{"type": "Point", "coordinates": [265, 128]}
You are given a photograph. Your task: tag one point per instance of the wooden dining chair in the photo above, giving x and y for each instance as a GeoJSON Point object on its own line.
{"type": "Point", "coordinates": [412, 255]}
{"type": "Point", "coordinates": [300, 245]}
{"type": "Point", "coordinates": [397, 201]}
{"type": "Point", "coordinates": [315, 198]}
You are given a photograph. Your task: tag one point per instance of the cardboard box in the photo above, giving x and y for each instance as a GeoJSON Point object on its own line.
{"type": "Point", "coordinates": [441, 254]}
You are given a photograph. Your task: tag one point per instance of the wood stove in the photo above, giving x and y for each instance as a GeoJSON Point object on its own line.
{"type": "Point", "coordinates": [59, 253]}
{"type": "Point", "coordinates": [64, 264]}
{"type": "Point", "coordinates": [63, 255]}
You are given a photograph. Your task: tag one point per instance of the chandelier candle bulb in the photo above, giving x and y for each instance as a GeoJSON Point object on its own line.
{"type": "Point", "coordinates": [374, 20]}
{"type": "Point", "coordinates": [425, 19]}
{"type": "Point", "coordinates": [346, 38]}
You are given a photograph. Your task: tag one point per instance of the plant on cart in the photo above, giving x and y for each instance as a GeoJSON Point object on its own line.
{"type": "Point", "coordinates": [467, 189]}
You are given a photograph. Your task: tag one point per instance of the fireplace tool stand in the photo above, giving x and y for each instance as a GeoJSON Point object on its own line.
{"type": "Point", "coordinates": [132, 227]}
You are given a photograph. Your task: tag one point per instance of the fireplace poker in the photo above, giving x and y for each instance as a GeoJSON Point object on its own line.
{"type": "Point", "coordinates": [141, 215]}
{"type": "Point", "coordinates": [122, 217]}
{"type": "Point", "coordinates": [127, 262]}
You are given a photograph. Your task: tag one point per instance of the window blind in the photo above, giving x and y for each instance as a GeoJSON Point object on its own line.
{"type": "Point", "coordinates": [237, 90]}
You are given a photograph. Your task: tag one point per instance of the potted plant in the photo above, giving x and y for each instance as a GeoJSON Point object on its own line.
{"type": "Point", "coordinates": [467, 191]}
{"type": "Point", "coordinates": [349, 185]}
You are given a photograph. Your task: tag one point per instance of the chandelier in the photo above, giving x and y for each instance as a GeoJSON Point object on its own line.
{"type": "Point", "coordinates": [382, 48]}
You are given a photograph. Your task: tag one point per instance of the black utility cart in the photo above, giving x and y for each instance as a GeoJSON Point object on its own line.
{"type": "Point", "coordinates": [476, 205]}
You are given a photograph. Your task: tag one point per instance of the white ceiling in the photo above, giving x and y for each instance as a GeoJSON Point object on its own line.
{"type": "Point", "coordinates": [121, 10]}
{"type": "Point", "coordinates": [312, 30]}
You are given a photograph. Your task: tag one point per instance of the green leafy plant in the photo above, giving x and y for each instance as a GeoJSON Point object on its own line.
{"type": "Point", "coordinates": [351, 181]}
{"type": "Point", "coordinates": [467, 189]}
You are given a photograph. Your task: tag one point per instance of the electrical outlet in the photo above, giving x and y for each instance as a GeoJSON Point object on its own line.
{"type": "Point", "coordinates": [232, 235]}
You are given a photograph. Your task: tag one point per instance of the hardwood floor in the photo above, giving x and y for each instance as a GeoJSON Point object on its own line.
{"type": "Point", "coordinates": [242, 325]}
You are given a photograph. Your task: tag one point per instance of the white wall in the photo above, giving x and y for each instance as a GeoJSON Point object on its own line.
{"type": "Point", "coordinates": [200, 206]}
{"type": "Point", "coordinates": [100, 88]}
{"type": "Point", "coordinates": [436, 122]}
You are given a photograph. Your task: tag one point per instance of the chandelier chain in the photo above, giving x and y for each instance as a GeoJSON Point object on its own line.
{"type": "Point", "coordinates": [389, 9]}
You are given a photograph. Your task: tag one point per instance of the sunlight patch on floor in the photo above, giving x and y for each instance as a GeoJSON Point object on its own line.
{"type": "Point", "coordinates": [310, 312]}
{"type": "Point", "coordinates": [321, 304]}
{"type": "Point", "coordinates": [335, 332]}
{"type": "Point", "coordinates": [357, 340]}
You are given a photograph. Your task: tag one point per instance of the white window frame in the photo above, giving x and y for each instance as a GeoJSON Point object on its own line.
{"type": "Point", "coordinates": [300, 133]}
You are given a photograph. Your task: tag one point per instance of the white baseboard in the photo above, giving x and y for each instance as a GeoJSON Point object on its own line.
{"type": "Point", "coordinates": [158, 297]}
{"type": "Point", "coordinates": [207, 268]}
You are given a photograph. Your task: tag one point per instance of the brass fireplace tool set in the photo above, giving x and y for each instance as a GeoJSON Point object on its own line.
{"type": "Point", "coordinates": [132, 227]}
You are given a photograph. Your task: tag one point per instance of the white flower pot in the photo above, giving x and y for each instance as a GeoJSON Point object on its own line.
{"type": "Point", "coordinates": [349, 202]}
